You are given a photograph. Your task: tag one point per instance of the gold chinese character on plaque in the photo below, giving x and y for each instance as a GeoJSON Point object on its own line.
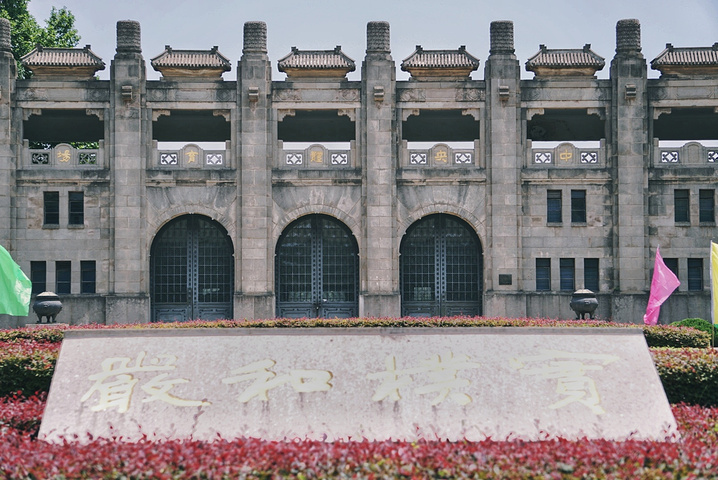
{"type": "Point", "coordinates": [565, 154]}
{"type": "Point", "coordinates": [441, 155]}
{"type": "Point", "coordinates": [63, 155]}
{"type": "Point", "coordinates": [316, 155]}
{"type": "Point", "coordinates": [192, 156]}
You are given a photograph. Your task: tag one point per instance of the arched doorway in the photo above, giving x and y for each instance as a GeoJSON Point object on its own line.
{"type": "Point", "coordinates": [317, 269]}
{"type": "Point", "coordinates": [191, 271]}
{"type": "Point", "coordinates": [441, 267]}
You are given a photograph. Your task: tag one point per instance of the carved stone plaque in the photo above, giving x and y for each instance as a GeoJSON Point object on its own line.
{"type": "Point", "coordinates": [446, 383]}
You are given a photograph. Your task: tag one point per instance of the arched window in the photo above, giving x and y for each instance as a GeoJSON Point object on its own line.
{"type": "Point", "coordinates": [191, 271]}
{"type": "Point", "coordinates": [317, 269]}
{"type": "Point", "coordinates": [441, 267]}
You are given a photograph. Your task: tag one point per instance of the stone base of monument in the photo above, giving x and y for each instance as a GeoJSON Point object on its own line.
{"type": "Point", "coordinates": [340, 384]}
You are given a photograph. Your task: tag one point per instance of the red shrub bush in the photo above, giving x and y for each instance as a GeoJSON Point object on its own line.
{"type": "Point", "coordinates": [23, 456]}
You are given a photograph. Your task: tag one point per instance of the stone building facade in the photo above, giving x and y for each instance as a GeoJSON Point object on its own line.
{"type": "Point", "coordinates": [195, 197]}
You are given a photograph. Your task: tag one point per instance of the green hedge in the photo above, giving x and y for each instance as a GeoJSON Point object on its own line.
{"type": "Point", "coordinates": [689, 375]}
{"type": "Point", "coordinates": [699, 324]}
{"type": "Point", "coordinates": [26, 367]}
{"type": "Point", "coordinates": [676, 336]}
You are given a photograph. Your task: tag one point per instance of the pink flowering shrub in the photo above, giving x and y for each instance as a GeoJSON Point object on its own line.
{"type": "Point", "coordinates": [30, 355]}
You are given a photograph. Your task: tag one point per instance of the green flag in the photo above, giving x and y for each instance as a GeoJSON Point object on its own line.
{"type": "Point", "coordinates": [15, 287]}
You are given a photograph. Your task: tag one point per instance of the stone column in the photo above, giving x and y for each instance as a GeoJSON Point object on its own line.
{"type": "Point", "coordinates": [8, 159]}
{"type": "Point", "coordinates": [128, 300]}
{"type": "Point", "coordinates": [502, 253]}
{"type": "Point", "coordinates": [8, 72]}
{"type": "Point", "coordinates": [379, 252]}
{"type": "Point", "coordinates": [254, 249]}
{"type": "Point", "coordinates": [629, 131]}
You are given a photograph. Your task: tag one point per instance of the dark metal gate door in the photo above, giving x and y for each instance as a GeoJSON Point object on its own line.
{"type": "Point", "coordinates": [441, 268]}
{"type": "Point", "coordinates": [191, 271]}
{"type": "Point", "coordinates": [316, 270]}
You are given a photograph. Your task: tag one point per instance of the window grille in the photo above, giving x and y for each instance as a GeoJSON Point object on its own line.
{"type": "Point", "coordinates": [418, 159]}
{"type": "Point", "coordinates": [567, 274]}
{"type": "Point", "coordinates": [51, 206]}
{"type": "Point", "coordinates": [76, 208]}
{"type": "Point", "coordinates": [681, 205]}
{"type": "Point", "coordinates": [589, 157]}
{"type": "Point", "coordinates": [553, 206]}
{"type": "Point", "coordinates": [63, 277]}
{"type": "Point", "coordinates": [669, 156]}
{"type": "Point", "coordinates": [87, 158]}
{"type": "Point", "coordinates": [543, 274]}
{"type": "Point", "coordinates": [578, 206]}
{"type": "Point", "coordinates": [88, 276]}
{"type": "Point", "coordinates": [38, 277]}
{"type": "Point", "coordinates": [706, 206]}
{"type": "Point", "coordinates": [543, 157]}
{"type": "Point", "coordinates": [591, 274]}
{"type": "Point", "coordinates": [695, 274]}
{"type": "Point", "coordinates": [168, 158]}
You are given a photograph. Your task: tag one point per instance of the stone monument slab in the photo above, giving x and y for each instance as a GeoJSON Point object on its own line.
{"type": "Point", "coordinates": [339, 384]}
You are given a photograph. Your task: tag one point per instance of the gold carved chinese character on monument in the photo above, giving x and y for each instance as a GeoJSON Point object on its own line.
{"type": "Point", "coordinates": [440, 375]}
{"type": "Point", "coordinates": [570, 370]}
{"type": "Point", "coordinates": [116, 382]}
{"type": "Point", "coordinates": [264, 379]}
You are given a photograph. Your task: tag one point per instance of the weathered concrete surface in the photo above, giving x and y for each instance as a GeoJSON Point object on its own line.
{"type": "Point", "coordinates": [451, 383]}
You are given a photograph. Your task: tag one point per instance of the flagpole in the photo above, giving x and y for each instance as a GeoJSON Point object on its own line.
{"type": "Point", "coordinates": [714, 288]}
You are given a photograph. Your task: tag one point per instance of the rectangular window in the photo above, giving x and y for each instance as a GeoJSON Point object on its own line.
{"type": "Point", "coordinates": [578, 206]}
{"type": "Point", "coordinates": [87, 276]}
{"type": "Point", "coordinates": [590, 274]}
{"type": "Point", "coordinates": [681, 206]}
{"type": "Point", "coordinates": [543, 274]}
{"type": "Point", "coordinates": [63, 277]}
{"type": "Point", "coordinates": [672, 264]}
{"type": "Point", "coordinates": [553, 206]}
{"type": "Point", "coordinates": [76, 208]}
{"type": "Point", "coordinates": [567, 274]}
{"type": "Point", "coordinates": [706, 206]}
{"type": "Point", "coordinates": [38, 277]}
{"type": "Point", "coordinates": [695, 274]}
{"type": "Point", "coordinates": [51, 205]}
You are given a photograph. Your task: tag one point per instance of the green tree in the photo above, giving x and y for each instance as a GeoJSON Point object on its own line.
{"type": "Point", "coordinates": [26, 33]}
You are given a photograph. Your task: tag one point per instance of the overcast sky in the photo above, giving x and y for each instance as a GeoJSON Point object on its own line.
{"type": "Point", "coordinates": [436, 24]}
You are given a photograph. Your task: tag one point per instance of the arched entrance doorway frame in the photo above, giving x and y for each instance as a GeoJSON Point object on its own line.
{"type": "Point", "coordinates": [437, 292]}
{"type": "Point", "coordinates": [325, 268]}
{"type": "Point", "coordinates": [194, 276]}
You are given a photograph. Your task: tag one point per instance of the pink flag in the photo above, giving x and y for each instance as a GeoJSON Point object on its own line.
{"type": "Point", "coordinates": [663, 283]}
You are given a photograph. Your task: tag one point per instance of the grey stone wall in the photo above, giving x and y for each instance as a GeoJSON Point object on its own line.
{"type": "Point", "coordinates": [378, 194]}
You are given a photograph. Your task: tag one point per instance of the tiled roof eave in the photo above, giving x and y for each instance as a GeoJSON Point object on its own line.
{"type": "Point", "coordinates": [686, 57]}
{"type": "Point", "coordinates": [440, 59]}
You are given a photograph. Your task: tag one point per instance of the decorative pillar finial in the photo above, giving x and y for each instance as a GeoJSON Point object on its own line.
{"type": "Point", "coordinates": [5, 42]}
{"type": "Point", "coordinates": [628, 36]}
{"type": "Point", "coordinates": [377, 37]}
{"type": "Point", "coordinates": [255, 37]}
{"type": "Point", "coordinates": [128, 37]}
{"type": "Point", "coordinates": [502, 37]}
